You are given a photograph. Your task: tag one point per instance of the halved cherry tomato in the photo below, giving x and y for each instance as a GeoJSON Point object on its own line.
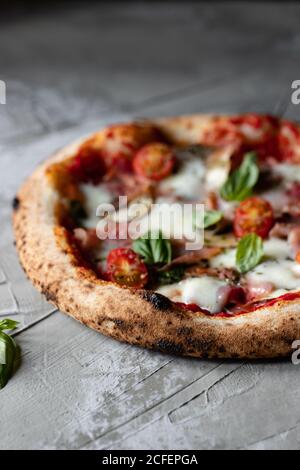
{"type": "Point", "coordinates": [88, 165]}
{"type": "Point", "coordinates": [126, 268]}
{"type": "Point", "coordinates": [121, 142]}
{"type": "Point", "coordinates": [253, 215]}
{"type": "Point", "coordinates": [154, 161]}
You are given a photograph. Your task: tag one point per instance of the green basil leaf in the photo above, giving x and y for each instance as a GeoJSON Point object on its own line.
{"type": "Point", "coordinates": [171, 276]}
{"type": "Point", "coordinates": [8, 324]}
{"type": "Point", "coordinates": [153, 248]}
{"type": "Point", "coordinates": [249, 252]}
{"type": "Point", "coordinates": [8, 350]}
{"type": "Point", "coordinates": [241, 181]}
{"type": "Point", "coordinates": [211, 217]}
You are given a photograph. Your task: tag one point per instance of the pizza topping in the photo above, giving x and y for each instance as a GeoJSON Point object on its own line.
{"type": "Point", "coordinates": [252, 243]}
{"type": "Point", "coordinates": [294, 191]}
{"type": "Point", "coordinates": [77, 212]}
{"type": "Point", "coordinates": [191, 307]}
{"type": "Point", "coordinates": [245, 131]}
{"type": "Point", "coordinates": [281, 229]}
{"type": "Point", "coordinates": [88, 166]}
{"type": "Point", "coordinates": [187, 182]}
{"type": "Point", "coordinates": [258, 290]}
{"type": "Point", "coordinates": [154, 161]}
{"type": "Point", "coordinates": [86, 239]}
{"type": "Point", "coordinates": [194, 256]}
{"type": "Point", "coordinates": [254, 215]}
{"type": "Point", "coordinates": [211, 201]}
{"type": "Point", "coordinates": [212, 217]}
{"type": "Point", "coordinates": [240, 182]}
{"type": "Point", "coordinates": [122, 141]}
{"type": "Point", "coordinates": [207, 292]}
{"type": "Point", "coordinates": [289, 141]}
{"type": "Point", "coordinates": [249, 252]}
{"type": "Point", "coordinates": [254, 128]}
{"type": "Point", "coordinates": [221, 133]}
{"type": "Point", "coordinates": [93, 197]}
{"type": "Point", "coordinates": [229, 274]}
{"type": "Point", "coordinates": [153, 248]}
{"type": "Point", "coordinates": [232, 295]}
{"type": "Point", "coordinates": [204, 291]}
{"type": "Point", "coordinates": [170, 276]}
{"type": "Point", "coordinates": [218, 166]}
{"type": "Point", "coordinates": [282, 274]}
{"type": "Point", "coordinates": [294, 240]}
{"type": "Point", "coordinates": [126, 268]}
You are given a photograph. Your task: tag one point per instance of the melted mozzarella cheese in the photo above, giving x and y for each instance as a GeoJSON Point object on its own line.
{"type": "Point", "coordinates": [281, 274]}
{"type": "Point", "coordinates": [204, 291]}
{"type": "Point", "coordinates": [277, 197]}
{"type": "Point", "coordinates": [218, 168]}
{"type": "Point", "coordinates": [288, 171]}
{"type": "Point", "coordinates": [276, 268]}
{"type": "Point", "coordinates": [277, 248]}
{"type": "Point", "coordinates": [224, 260]}
{"type": "Point", "coordinates": [188, 182]}
{"type": "Point", "coordinates": [274, 248]}
{"type": "Point", "coordinates": [216, 177]}
{"type": "Point", "coordinates": [94, 196]}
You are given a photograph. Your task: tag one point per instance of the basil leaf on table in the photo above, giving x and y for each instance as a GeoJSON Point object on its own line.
{"type": "Point", "coordinates": [8, 324]}
{"type": "Point", "coordinates": [8, 349]}
{"type": "Point", "coordinates": [249, 252]}
{"type": "Point", "coordinates": [153, 250]}
{"type": "Point", "coordinates": [240, 182]}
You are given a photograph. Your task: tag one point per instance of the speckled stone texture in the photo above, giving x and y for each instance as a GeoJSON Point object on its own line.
{"type": "Point", "coordinates": [69, 70]}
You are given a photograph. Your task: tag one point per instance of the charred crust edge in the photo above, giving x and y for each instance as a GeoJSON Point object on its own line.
{"type": "Point", "coordinates": [50, 296]}
{"type": "Point", "coordinates": [158, 301]}
{"type": "Point", "coordinates": [15, 203]}
{"type": "Point", "coordinates": [168, 347]}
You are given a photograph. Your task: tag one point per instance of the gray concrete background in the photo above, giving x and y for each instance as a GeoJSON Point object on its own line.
{"type": "Point", "coordinates": [70, 70]}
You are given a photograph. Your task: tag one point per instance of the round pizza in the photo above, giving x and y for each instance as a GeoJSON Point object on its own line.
{"type": "Point", "coordinates": [178, 234]}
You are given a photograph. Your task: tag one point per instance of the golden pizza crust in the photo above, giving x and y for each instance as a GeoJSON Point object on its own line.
{"type": "Point", "coordinates": [141, 317]}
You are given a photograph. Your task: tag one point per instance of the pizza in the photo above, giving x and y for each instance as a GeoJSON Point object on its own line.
{"type": "Point", "coordinates": [232, 292]}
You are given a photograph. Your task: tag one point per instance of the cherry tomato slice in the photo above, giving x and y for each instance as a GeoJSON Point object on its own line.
{"type": "Point", "coordinates": [126, 268]}
{"type": "Point", "coordinates": [88, 166]}
{"type": "Point", "coordinates": [154, 161]}
{"type": "Point", "coordinates": [253, 215]}
{"type": "Point", "coordinates": [121, 142]}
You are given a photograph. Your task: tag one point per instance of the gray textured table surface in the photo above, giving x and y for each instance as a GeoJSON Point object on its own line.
{"type": "Point", "coordinates": [68, 72]}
